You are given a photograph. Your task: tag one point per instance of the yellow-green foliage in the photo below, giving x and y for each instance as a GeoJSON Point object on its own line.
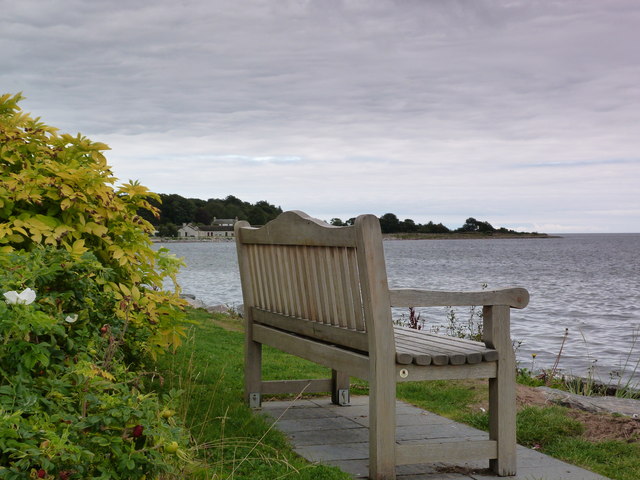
{"type": "Point", "coordinates": [58, 190]}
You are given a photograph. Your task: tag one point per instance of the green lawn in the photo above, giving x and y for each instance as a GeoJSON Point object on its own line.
{"type": "Point", "coordinates": [232, 443]}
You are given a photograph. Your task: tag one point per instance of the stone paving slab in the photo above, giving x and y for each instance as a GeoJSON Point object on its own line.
{"type": "Point", "coordinates": [325, 433]}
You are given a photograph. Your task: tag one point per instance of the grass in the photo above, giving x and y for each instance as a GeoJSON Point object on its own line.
{"type": "Point", "coordinates": [233, 443]}
{"type": "Point", "coordinates": [229, 440]}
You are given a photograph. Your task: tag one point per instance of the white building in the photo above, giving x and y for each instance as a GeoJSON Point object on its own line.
{"type": "Point", "coordinates": [222, 227]}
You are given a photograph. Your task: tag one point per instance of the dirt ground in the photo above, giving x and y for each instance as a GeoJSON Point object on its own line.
{"type": "Point", "coordinates": [598, 426]}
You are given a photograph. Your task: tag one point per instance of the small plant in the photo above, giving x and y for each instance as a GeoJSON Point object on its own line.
{"type": "Point", "coordinates": [554, 369]}
{"type": "Point", "coordinates": [586, 386]}
{"type": "Point", "coordinates": [471, 328]}
{"type": "Point", "coordinates": [620, 381]}
{"type": "Point", "coordinates": [525, 376]}
{"type": "Point", "coordinates": [414, 319]}
{"type": "Point", "coordinates": [626, 388]}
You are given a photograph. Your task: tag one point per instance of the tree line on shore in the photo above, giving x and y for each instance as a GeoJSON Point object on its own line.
{"type": "Point", "coordinates": [176, 210]}
{"type": "Point", "coordinates": [390, 223]}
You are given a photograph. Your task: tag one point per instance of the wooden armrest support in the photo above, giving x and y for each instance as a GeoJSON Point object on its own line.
{"type": "Point", "coordinates": [405, 297]}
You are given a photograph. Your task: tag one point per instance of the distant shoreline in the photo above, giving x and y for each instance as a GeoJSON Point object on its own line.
{"type": "Point", "coordinates": [385, 236]}
{"type": "Point", "coordinates": [464, 236]}
{"type": "Point", "coordinates": [192, 240]}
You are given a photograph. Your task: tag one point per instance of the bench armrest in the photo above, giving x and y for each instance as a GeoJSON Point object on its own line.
{"type": "Point", "coordinates": [405, 297]}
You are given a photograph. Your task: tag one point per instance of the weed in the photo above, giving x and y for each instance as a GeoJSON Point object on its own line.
{"type": "Point", "coordinates": [554, 369]}
{"type": "Point", "coordinates": [620, 381]}
{"type": "Point", "coordinates": [470, 328]}
{"type": "Point", "coordinates": [626, 388]}
{"type": "Point", "coordinates": [413, 321]}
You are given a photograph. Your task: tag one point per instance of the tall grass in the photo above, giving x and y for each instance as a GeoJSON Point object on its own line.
{"type": "Point", "coordinates": [229, 440]}
{"type": "Point", "coordinates": [621, 383]}
{"type": "Point", "coordinates": [625, 385]}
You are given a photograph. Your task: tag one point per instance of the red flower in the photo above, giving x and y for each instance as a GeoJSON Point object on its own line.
{"type": "Point", "coordinates": [137, 431]}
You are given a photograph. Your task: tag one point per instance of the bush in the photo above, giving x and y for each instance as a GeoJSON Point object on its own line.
{"type": "Point", "coordinates": [83, 311]}
{"type": "Point", "coordinates": [58, 190]}
{"type": "Point", "coordinates": [68, 406]}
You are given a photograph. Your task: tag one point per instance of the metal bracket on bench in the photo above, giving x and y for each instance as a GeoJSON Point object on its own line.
{"type": "Point", "coordinates": [344, 398]}
{"type": "Point", "coordinates": [255, 400]}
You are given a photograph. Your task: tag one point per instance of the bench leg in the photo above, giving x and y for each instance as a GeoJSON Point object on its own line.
{"type": "Point", "coordinates": [502, 400]}
{"type": "Point", "coordinates": [382, 430]}
{"type": "Point", "coordinates": [339, 388]}
{"type": "Point", "coordinates": [502, 426]}
{"type": "Point", "coordinates": [253, 373]}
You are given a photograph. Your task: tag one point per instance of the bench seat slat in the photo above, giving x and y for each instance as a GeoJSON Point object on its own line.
{"type": "Point", "coordinates": [450, 357]}
{"type": "Point", "coordinates": [455, 341]}
{"type": "Point", "coordinates": [474, 351]}
{"type": "Point", "coordinates": [456, 357]}
{"type": "Point", "coordinates": [404, 358]}
{"type": "Point", "coordinates": [438, 357]}
{"type": "Point", "coordinates": [419, 357]}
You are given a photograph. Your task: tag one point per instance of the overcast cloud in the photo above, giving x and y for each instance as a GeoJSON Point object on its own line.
{"type": "Point", "coordinates": [525, 114]}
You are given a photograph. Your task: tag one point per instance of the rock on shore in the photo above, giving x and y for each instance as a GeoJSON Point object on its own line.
{"type": "Point", "coordinates": [604, 404]}
{"type": "Point", "coordinates": [196, 303]}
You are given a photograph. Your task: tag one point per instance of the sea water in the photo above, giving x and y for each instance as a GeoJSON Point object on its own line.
{"type": "Point", "coordinates": [586, 283]}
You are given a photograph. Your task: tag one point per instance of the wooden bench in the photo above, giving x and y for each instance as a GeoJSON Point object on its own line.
{"type": "Point", "coordinates": [320, 292]}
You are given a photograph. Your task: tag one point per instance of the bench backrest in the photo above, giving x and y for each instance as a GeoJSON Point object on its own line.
{"type": "Point", "coordinates": [329, 283]}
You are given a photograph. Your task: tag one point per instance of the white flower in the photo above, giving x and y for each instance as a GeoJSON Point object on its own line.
{"type": "Point", "coordinates": [25, 297]}
{"type": "Point", "coordinates": [71, 318]}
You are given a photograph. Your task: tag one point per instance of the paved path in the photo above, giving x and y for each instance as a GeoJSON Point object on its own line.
{"type": "Point", "coordinates": [314, 426]}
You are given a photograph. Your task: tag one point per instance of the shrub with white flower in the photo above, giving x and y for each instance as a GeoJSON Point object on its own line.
{"type": "Point", "coordinates": [25, 297]}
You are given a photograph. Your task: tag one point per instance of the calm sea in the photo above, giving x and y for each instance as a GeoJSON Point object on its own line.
{"type": "Point", "coordinates": [586, 283]}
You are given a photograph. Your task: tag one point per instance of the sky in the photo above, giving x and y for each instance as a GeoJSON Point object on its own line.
{"type": "Point", "coordinates": [525, 114]}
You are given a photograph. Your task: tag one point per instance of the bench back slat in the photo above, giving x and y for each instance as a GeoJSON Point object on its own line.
{"type": "Point", "coordinates": [356, 309]}
{"type": "Point", "coordinates": [315, 283]}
